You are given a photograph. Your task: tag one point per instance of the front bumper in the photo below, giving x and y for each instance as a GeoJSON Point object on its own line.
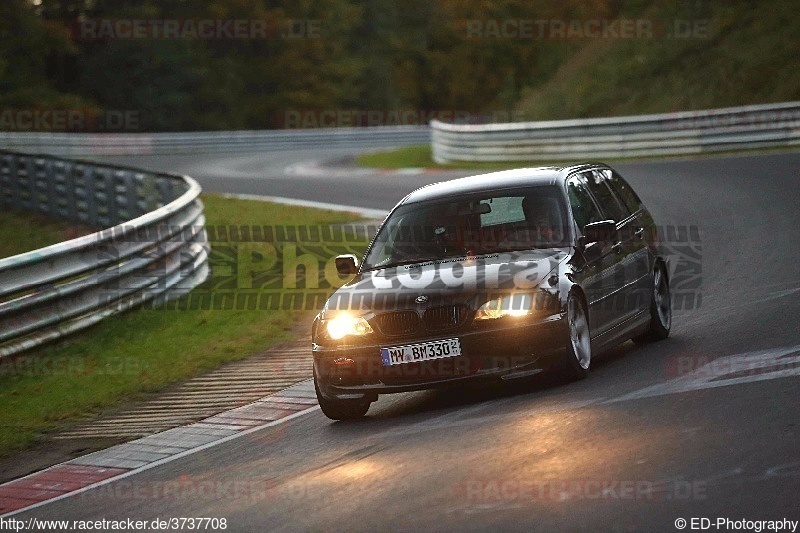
{"type": "Point", "coordinates": [488, 351]}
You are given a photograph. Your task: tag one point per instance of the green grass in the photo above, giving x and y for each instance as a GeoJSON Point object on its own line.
{"type": "Point", "coordinates": [146, 350]}
{"type": "Point", "coordinates": [420, 156]}
{"type": "Point", "coordinates": [410, 157]}
{"type": "Point", "coordinates": [22, 232]}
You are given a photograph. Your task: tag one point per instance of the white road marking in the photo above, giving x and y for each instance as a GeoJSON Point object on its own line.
{"type": "Point", "coordinates": [728, 370]}
{"type": "Point", "coordinates": [377, 214]}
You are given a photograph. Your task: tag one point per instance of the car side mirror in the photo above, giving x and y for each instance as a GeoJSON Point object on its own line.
{"type": "Point", "coordinates": [603, 231]}
{"type": "Point", "coordinates": [346, 264]}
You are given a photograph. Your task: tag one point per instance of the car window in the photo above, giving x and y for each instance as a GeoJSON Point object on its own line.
{"type": "Point", "coordinates": [504, 210]}
{"type": "Point", "coordinates": [583, 207]}
{"type": "Point", "coordinates": [610, 205]}
{"type": "Point", "coordinates": [623, 191]}
{"type": "Point", "coordinates": [480, 223]}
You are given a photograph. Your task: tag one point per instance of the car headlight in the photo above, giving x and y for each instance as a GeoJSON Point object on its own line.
{"type": "Point", "coordinates": [513, 305]}
{"type": "Point", "coordinates": [345, 324]}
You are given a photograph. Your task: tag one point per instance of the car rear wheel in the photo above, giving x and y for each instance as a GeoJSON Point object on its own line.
{"type": "Point", "coordinates": [578, 356]}
{"type": "Point", "coordinates": [660, 308]}
{"type": "Point", "coordinates": [341, 409]}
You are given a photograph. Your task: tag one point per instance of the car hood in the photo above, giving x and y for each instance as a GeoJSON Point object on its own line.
{"type": "Point", "coordinates": [462, 280]}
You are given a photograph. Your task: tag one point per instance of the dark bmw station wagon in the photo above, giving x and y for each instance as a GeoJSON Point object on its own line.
{"type": "Point", "coordinates": [501, 275]}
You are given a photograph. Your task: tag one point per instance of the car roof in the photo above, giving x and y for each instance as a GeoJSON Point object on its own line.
{"type": "Point", "coordinates": [505, 179]}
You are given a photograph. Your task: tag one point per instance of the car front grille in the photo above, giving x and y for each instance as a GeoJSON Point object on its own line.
{"type": "Point", "coordinates": [398, 323]}
{"type": "Point", "coordinates": [434, 320]}
{"type": "Point", "coordinates": [445, 318]}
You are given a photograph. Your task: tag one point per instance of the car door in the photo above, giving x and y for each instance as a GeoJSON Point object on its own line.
{"type": "Point", "coordinates": [634, 238]}
{"type": "Point", "coordinates": [597, 262]}
{"type": "Point", "coordinates": [629, 252]}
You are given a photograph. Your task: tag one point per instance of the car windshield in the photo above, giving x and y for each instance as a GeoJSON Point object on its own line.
{"type": "Point", "coordinates": [494, 221]}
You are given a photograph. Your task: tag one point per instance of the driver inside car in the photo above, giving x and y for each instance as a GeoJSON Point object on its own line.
{"type": "Point", "coordinates": [543, 219]}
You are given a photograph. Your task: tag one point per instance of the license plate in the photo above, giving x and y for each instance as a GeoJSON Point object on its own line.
{"type": "Point", "coordinates": [426, 351]}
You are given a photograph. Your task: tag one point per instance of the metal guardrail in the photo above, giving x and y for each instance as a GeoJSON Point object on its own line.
{"type": "Point", "coordinates": [154, 247]}
{"type": "Point", "coordinates": [684, 133]}
{"type": "Point", "coordinates": [90, 144]}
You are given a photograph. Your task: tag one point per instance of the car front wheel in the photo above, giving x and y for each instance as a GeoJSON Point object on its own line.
{"type": "Point", "coordinates": [660, 308]}
{"type": "Point", "coordinates": [340, 409]}
{"type": "Point", "coordinates": [578, 357]}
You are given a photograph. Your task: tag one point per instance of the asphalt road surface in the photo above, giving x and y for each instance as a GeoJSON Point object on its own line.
{"type": "Point", "coordinates": [703, 425]}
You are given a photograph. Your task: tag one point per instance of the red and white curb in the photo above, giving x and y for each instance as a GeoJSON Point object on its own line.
{"type": "Point", "coordinates": [111, 464]}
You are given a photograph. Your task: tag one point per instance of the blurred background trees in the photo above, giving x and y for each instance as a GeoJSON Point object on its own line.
{"type": "Point", "coordinates": [393, 55]}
